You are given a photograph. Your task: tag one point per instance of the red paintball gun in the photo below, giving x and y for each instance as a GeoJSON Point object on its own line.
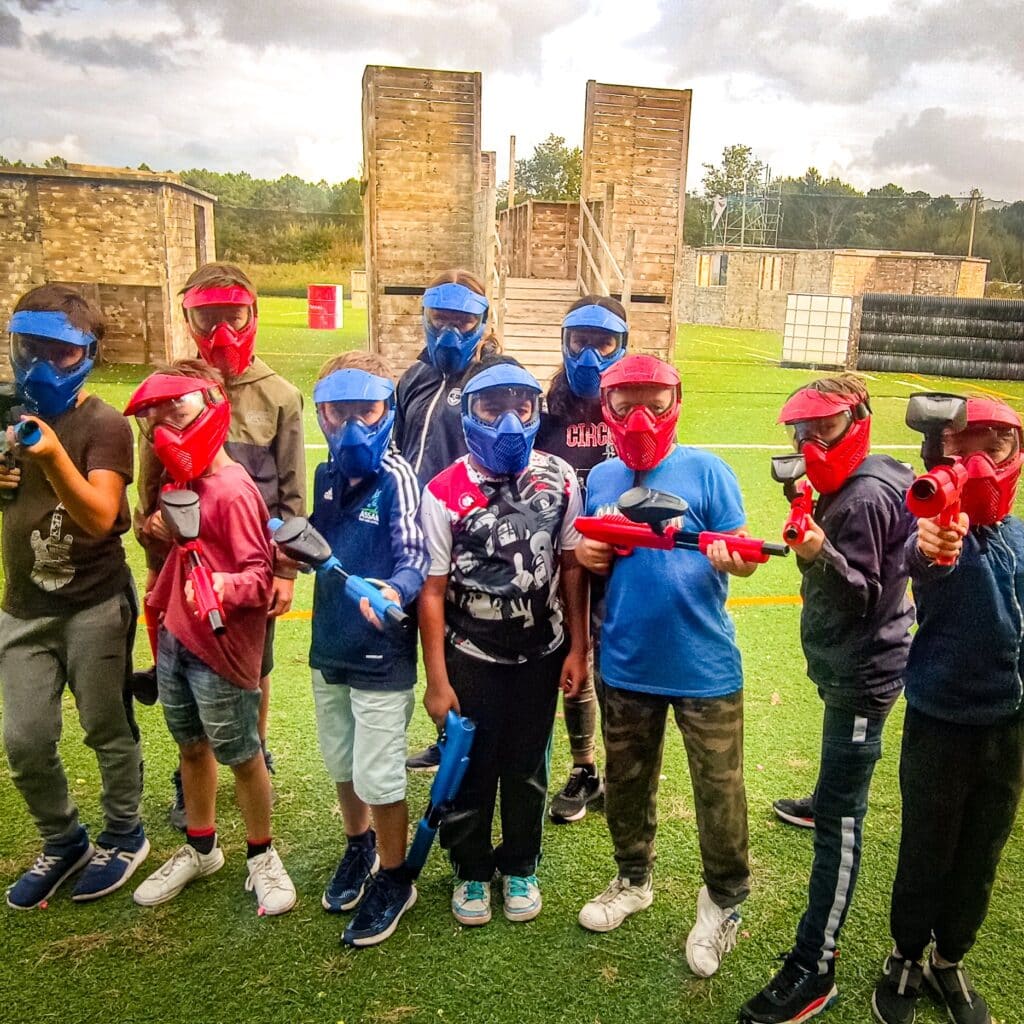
{"type": "Point", "coordinates": [787, 470]}
{"type": "Point", "coordinates": [642, 522]}
{"type": "Point", "coordinates": [180, 510]}
{"type": "Point", "coordinates": [936, 493]}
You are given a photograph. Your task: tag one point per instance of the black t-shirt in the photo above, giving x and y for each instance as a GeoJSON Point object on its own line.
{"type": "Point", "coordinates": [583, 442]}
{"type": "Point", "coordinates": [51, 565]}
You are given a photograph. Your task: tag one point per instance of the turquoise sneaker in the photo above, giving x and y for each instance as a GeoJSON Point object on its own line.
{"type": "Point", "coordinates": [471, 903]}
{"type": "Point", "coordinates": [522, 897]}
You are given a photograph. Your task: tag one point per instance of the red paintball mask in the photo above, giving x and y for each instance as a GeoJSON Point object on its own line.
{"type": "Point", "coordinates": [831, 431]}
{"type": "Point", "coordinates": [185, 418]}
{"type": "Point", "coordinates": [222, 321]}
{"type": "Point", "coordinates": [987, 496]}
{"type": "Point", "coordinates": [639, 414]}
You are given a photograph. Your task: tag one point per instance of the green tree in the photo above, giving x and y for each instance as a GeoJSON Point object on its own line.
{"type": "Point", "coordinates": [553, 172]}
{"type": "Point", "coordinates": [739, 166]}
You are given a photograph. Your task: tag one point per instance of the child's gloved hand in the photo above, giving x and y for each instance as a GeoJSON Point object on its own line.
{"type": "Point", "coordinates": [390, 594]}
{"type": "Point", "coordinates": [942, 543]}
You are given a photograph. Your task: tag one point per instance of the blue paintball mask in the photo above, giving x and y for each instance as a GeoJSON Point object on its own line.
{"type": "Point", "coordinates": [500, 418]}
{"type": "Point", "coordinates": [344, 399]}
{"type": "Point", "coordinates": [51, 359]}
{"type": "Point", "coordinates": [454, 320]}
{"type": "Point", "coordinates": [593, 338]}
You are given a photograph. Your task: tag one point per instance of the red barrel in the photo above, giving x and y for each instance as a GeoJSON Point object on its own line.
{"type": "Point", "coordinates": [325, 306]}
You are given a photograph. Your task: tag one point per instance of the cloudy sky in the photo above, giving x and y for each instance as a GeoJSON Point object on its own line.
{"type": "Point", "coordinates": [926, 93]}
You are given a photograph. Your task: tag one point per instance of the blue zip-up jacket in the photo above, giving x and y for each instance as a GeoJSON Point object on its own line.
{"type": "Point", "coordinates": [373, 530]}
{"type": "Point", "coordinates": [965, 662]}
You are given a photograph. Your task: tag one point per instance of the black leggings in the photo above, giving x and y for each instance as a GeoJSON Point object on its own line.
{"type": "Point", "coordinates": [513, 707]}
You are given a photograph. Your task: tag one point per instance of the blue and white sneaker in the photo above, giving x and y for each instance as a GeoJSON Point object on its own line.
{"type": "Point", "coordinates": [522, 897]}
{"type": "Point", "coordinates": [51, 870]}
{"type": "Point", "coordinates": [471, 903]}
{"type": "Point", "coordinates": [354, 872]}
{"type": "Point", "coordinates": [112, 865]}
{"type": "Point", "coordinates": [382, 908]}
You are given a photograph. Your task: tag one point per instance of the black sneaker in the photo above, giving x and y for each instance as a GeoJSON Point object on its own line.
{"type": "Point", "coordinates": [351, 877]}
{"type": "Point", "coordinates": [952, 987]}
{"type": "Point", "coordinates": [795, 812]}
{"type": "Point", "coordinates": [426, 760]}
{"type": "Point", "coordinates": [176, 812]}
{"type": "Point", "coordinates": [583, 787]}
{"type": "Point", "coordinates": [382, 908]}
{"type": "Point", "coordinates": [794, 994]}
{"type": "Point", "coordinates": [894, 1000]}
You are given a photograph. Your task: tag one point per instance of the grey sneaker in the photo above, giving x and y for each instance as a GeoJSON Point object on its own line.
{"type": "Point", "coordinates": [583, 787]}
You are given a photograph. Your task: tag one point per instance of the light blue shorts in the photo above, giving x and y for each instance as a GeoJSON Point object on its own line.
{"type": "Point", "coordinates": [362, 737]}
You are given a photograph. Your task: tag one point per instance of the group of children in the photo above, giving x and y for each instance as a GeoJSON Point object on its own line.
{"type": "Point", "coordinates": [456, 492]}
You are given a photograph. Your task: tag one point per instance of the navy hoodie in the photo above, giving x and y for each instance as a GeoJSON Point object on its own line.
{"type": "Point", "coordinates": [965, 663]}
{"type": "Point", "coordinates": [374, 532]}
{"type": "Point", "coordinates": [856, 615]}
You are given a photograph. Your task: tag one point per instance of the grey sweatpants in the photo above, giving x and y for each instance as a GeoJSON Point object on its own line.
{"type": "Point", "coordinates": [85, 651]}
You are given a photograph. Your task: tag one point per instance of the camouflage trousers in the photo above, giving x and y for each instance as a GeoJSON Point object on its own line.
{"type": "Point", "coordinates": [633, 724]}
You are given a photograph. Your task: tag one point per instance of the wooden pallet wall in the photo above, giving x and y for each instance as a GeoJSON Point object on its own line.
{"type": "Point", "coordinates": [636, 140]}
{"type": "Point", "coordinates": [422, 165]}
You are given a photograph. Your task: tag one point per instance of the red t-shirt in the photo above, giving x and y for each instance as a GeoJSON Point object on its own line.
{"type": "Point", "coordinates": [233, 533]}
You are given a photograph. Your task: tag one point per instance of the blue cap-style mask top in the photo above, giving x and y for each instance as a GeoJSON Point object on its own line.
{"type": "Point", "coordinates": [48, 371]}
{"type": "Point", "coordinates": [593, 338]}
{"type": "Point", "coordinates": [500, 417]}
{"type": "Point", "coordinates": [357, 448]}
{"type": "Point", "coordinates": [449, 348]}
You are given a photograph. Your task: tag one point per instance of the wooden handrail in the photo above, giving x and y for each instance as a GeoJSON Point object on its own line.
{"type": "Point", "coordinates": [600, 238]}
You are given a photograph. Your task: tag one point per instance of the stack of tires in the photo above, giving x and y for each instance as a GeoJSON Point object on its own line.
{"type": "Point", "coordinates": [942, 336]}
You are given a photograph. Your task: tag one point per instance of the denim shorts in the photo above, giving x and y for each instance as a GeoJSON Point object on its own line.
{"type": "Point", "coordinates": [362, 737]}
{"type": "Point", "coordinates": [199, 704]}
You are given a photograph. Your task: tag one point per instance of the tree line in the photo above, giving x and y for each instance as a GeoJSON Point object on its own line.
{"type": "Point", "coordinates": [289, 220]}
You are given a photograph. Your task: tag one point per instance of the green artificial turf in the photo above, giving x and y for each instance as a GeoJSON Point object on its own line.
{"type": "Point", "coordinates": [207, 957]}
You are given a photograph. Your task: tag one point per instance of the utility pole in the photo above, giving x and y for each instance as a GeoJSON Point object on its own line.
{"type": "Point", "coordinates": [975, 198]}
{"type": "Point", "coordinates": [511, 171]}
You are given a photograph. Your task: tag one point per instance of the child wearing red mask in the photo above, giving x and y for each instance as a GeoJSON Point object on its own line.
{"type": "Point", "coordinates": [962, 760]}
{"type": "Point", "coordinates": [674, 648]}
{"type": "Point", "coordinates": [854, 629]}
{"type": "Point", "coordinates": [264, 437]}
{"type": "Point", "coordinates": [209, 681]}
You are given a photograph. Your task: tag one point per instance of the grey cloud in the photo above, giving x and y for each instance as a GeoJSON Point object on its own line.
{"type": "Point", "coordinates": [10, 29]}
{"type": "Point", "coordinates": [113, 51]}
{"type": "Point", "coordinates": [494, 34]}
{"type": "Point", "coordinates": [827, 55]}
{"type": "Point", "coordinates": [959, 152]}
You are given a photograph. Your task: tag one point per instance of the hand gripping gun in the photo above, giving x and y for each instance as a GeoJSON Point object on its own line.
{"type": "Point", "coordinates": [787, 470]}
{"type": "Point", "coordinates": [180, 510]}
{"type": "Point", "coordinates": [26, 432]}
{"type": "Point", "coordinates": [302, 542]}
{"type": "Point", "coordinates": [641, 523]}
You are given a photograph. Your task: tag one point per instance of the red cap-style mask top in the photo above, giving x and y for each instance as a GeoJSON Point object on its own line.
{"type": "Point", "coordinates": [185, 418]}
{"type": "Point", "coordinates": [223, 345]}
{"type": "Point", "coordinates": [642, 436]}
{"type": "Point", "coordinates": [829, 463]}
{"type": "Point", "coordinates": [991, 487]}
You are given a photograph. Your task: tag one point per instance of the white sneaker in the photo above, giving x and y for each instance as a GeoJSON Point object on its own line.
{"type": "Point", "coordinates": [522, 897]}
{"type": "Point", "coordinates": [712, 936]}
{"type": "Point", "coordinates": [621, 899]}
{"type": "Point", "coordinates": [471, 903]}
{"type": "Point", "coordinates": [274, 890]}
{"type": "Point", "coordinates": [186, 865]}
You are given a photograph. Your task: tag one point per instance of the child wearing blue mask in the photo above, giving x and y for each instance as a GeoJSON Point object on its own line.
{"type": "Point", "coordinates": [594, 337]}
{"type": "Point", "coordinates": [428, 414]}
{"type": "Point", "coordinates": [503, 621]}
{"type": "Point", "coordinates": [365, 503]}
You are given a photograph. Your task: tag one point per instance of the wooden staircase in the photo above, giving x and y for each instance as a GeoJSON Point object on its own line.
{"type": "Point", "coordinates": [532, 322]}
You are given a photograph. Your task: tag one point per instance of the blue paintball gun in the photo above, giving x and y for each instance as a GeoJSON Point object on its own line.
{"type": "Point", "coordinates": [302, 542]}
{"type": "Point", "coordinates": [455, 743]}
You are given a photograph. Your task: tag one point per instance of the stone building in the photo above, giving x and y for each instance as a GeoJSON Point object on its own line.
{"type": "Point", "coordinates": [128, 238]}
{"type": "Point", "coordinates": [730, 286]}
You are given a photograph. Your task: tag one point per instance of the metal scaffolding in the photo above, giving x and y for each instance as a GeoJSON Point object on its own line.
{"type": "Point", "coordinates": [748, 218]}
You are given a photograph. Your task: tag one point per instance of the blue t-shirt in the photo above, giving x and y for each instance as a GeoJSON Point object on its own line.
{"type": "Point", "coordinates": [666, 630]}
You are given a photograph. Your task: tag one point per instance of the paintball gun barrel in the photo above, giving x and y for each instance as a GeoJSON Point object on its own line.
{"type": "Point", "coordinates": [787, 470]}
{"type": "Point", "coordinates": [180, 511]}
